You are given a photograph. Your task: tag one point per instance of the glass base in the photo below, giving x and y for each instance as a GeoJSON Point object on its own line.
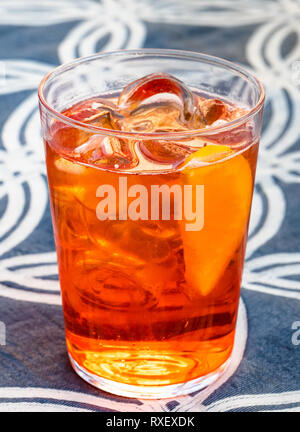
{"type": "Point", "coordinates": [148, 392]}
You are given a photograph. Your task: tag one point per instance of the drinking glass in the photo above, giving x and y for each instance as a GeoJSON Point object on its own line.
{"type": "Point", "coordinates": [151, 239]}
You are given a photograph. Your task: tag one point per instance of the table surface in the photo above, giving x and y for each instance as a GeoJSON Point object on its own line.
{"type": "Point", "coordinates": [263, 35]}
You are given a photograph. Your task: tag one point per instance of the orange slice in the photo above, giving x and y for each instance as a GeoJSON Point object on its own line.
{"type": "Point", "coordinates": [227, 201]}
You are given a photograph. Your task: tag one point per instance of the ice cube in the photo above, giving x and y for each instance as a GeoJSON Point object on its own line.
{"type": "Point", "coordinates": [160, 228]}
{"type": "Point", "coordinates": [159, 103]}
{"type": "Point", "coordinates": [236, 138]}
{"type": "Point", "coordinates": [161, 115]}
{"type": "Point", "coordinates": [147, 247]}
{"type": "Point", "coordinates": [101, 150]}
{"type": "Point", "coordinates": [166, 152]}
{"type": "Point", "coordinates": [70, 224]}
{"type": "Point", "coordinates": [135, 93]}
{"type": "Point", "coordinates": [97, 112]}
{"type": "Point", "coordinates": [64, 138]}
{"type": "Point", "coordinates": [108, 152]}
{"type": "Point", "coordinates": [212, 110]}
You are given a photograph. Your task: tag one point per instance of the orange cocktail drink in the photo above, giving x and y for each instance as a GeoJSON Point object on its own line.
{"type": "Point", "coordinates": [151, 185]}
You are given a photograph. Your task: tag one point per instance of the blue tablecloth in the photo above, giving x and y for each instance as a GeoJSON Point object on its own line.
{"type": "Point", "coordinates": [37, 35]}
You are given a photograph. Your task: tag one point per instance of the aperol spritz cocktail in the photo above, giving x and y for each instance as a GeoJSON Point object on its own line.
{"type": "Point", "coordinates": [151, 187]}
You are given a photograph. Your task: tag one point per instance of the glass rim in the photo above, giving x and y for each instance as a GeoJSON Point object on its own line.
{"type": "Point", "coordinates": [190, 55]}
